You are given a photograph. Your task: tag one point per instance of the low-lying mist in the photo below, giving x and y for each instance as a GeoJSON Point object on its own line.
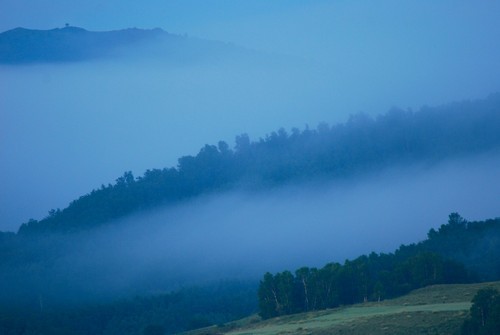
{"type": "Point", "coordinates": [241, 235]}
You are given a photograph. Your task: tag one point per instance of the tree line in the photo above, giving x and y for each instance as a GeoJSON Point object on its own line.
{"type": "Point", "coordinates": [367, 278]}
{"type": "Point", "coordinates": [360, 145]}
{"type": "Point", "coordinates": [476, 244]}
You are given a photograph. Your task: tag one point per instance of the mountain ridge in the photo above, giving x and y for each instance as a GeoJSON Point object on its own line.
{"type": "Point", "coordinates": [20, 45]}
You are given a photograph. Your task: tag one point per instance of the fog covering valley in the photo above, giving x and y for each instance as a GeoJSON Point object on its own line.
{"type": "Point", "coordinates": [67, 128]}
{"type": "Point", "coordinates": [241, 235]}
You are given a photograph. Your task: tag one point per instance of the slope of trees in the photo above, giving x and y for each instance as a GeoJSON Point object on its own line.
{"type": "Point", "coordinates": [458, 252]}
{"type": "Point", "coordinates": [360, 145]}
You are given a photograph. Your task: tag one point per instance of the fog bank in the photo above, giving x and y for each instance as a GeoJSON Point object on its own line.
{"type": "Point", "coordinates": [242, 235]}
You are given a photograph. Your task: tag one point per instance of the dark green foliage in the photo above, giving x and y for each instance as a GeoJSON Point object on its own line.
{"type": "Point", "coordinates": [475, 244]}
{"type": "Point", "coordinates": [361, 145]}
{"type": "Point", "coordinates": [484, 314]}
{"type": "Point", "coordinates": [276, 294]}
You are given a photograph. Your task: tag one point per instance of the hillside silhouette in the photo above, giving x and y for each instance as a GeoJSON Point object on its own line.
{"type": "Point", "coordinates": [74, 44]}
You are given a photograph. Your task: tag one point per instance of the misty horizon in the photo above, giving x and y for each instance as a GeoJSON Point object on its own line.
{"type": "Point", "coordinates": [68, 128]}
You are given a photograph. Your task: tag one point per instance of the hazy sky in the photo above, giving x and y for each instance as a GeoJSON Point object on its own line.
{"type": "Point", "coordinates": [65, 129]}
{"type": "Point", "coordinates": [179, 16]}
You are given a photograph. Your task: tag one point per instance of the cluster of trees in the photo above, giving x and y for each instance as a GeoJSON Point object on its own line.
{"type": "Point", "coordinates": [458, 252]}
{"type": "Point", "coordinates": [476, 244]}
{"type": "Point", "coordinates": [484, 314]}
{"type": "Point", "coordinates": [360, 145]}
{"type": "Point", "coordinates": [367, 278]}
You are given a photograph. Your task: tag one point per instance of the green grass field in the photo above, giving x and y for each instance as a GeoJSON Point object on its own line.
{"type": "Point", "coordinates": [438, 309]}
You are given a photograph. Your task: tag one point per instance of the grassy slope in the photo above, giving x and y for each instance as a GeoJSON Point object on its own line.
{"type": "Point", "coordinates": [438, 309]}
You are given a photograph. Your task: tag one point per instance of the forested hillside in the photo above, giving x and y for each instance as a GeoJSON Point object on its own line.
{"type": "Point", "coordinates": [361, 145]}
{"type": "Point", "coordinates": [459, 252]}
{"type": "Point", "coordinates": [55, 280]}
{"type": "Point", "coordinates": [473, 243]}
{"type": "Point", "coordinates": [371, 277]}
{"type": "Point", "coordinates": [367, 278]}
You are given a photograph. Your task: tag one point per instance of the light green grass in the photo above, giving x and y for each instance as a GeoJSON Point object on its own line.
{"type": "Point", "coordinates": [347, 315]}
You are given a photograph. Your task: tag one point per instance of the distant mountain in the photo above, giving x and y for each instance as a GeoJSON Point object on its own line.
{"type": "Point", "coordinates": [72, 44]}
